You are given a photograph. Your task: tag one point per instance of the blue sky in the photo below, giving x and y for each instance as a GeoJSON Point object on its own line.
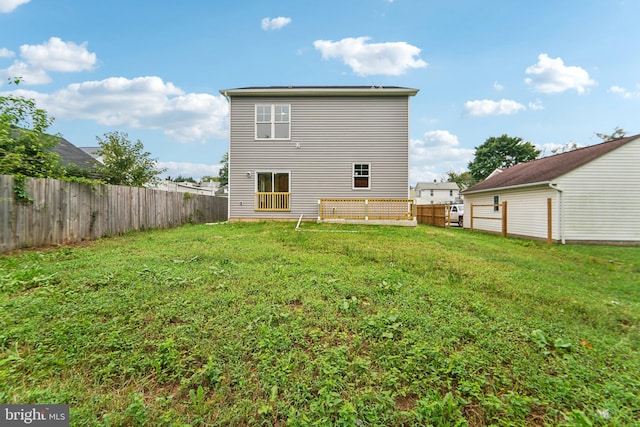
{"type": "Point", "coordinates": [550, 72]}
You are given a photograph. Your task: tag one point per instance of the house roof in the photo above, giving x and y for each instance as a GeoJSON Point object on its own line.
{"type": "Point", "coordinates": [436, 186]}
{"type": "Point", "coordinates": [320, 91]}
{"type": "Point", "coordinates": [546, 169]}
{"type": "Point", "coordinates": [69, 153]}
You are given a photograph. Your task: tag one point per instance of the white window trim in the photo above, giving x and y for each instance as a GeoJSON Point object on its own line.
{"type": "Point", "coordinates": [272, 122]}
{"type": "Point", "coordinates": [353, 176]}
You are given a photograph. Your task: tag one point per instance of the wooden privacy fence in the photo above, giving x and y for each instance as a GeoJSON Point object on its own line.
{"type": "Point", "coordinates": [435, 214]}
{"type": "Point", "coordinates": [63, 212]}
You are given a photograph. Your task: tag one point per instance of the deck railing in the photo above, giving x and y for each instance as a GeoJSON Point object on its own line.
{"type": "Point", "coordinates": [276, 201]}
{"type": "Point", "coordinates": [366, 209]}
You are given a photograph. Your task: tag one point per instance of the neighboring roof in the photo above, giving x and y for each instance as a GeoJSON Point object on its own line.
{"type": "Point", "coordinates": [92, 151]}
{"type": "Point", "coordinates": [69, 153]}
{"type": "Point", "coordinates": [320, 91]}
{"type": "Point", "coordinates": [436, 186]}
{"type": "Point", "coordinates": [544, 170]}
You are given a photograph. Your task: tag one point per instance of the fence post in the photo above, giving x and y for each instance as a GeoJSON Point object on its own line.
{"type": "Point", "coordinates": [549, 224]}
{"type": "Point", "coordinates": [504, 219]}
{"type": "Point", "coordinates": [471, 217]}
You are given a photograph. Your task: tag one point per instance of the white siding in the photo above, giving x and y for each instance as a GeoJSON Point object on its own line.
{"type": "Point", "coordinates": [439, 196]}
{"type": "Point", "coordinates": [332, 133]}
{"type": "Point", "coordinates": [526, 212]}
{"type": "Point", "coordinates": [491, 225]}
{"type": "Point", "coordinates": [598, 202]}
{"type": "Point", "coordinates": [602, 198]}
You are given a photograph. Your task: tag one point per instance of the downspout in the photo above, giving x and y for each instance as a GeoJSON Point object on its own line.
{"type": "Point", "coordinates": [560, 201]}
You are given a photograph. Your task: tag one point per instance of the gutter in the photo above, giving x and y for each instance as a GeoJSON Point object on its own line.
{"type": "Point", "coordinates": [560, 201]}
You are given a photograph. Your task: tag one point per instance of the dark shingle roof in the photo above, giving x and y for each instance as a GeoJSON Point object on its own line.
{"type": "Point", "coordinates": [548, 168]}
{"type": "Point", "coordinates": [69, 153]}
{"type": "Point", "coordinates": [319, 91]}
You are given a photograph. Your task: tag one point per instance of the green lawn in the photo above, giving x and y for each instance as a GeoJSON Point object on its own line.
{"type": "Point", "coordinates": [260, 324]}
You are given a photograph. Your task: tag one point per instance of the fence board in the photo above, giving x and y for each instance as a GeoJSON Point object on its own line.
{"type": "Point", "coordinates": [432, 214]}
{"type": "Point", "coordinates": [66, 212]}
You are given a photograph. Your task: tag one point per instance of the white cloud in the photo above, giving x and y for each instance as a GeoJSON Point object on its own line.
{"type": "Point", "coordinates": [57, 55]}
{"type": "Point", "coordinates": [6, 53]}
{"type": "Point", "coordinates": [29, 75]}
{"type": "Point", "coordinates": [7, 6]}
{"type": "Point", "coordinates": [486, 107]}
{"type": "Point", "coordinates": [391, 58]}
{"type": "Point", "coordinates": [550, 75]}
{"type": "Point", "coordinates": [275, 23]}
{"type": "Point", "coordinates": [194, 170]}
{"type": "Point", "coordinates": [143, 103]}
{"type": "Point", "coordinates": [536, 105]}
{"type": "Point", "coordinates": [52, 55]}
{"type": "Point", "coordinates": [436, 153]}
{"type": "Point", "coordinates": [624, 92]}
{"type": "Point", "coordinates": [498, 86]}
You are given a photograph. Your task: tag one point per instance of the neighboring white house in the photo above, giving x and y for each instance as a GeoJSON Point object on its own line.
{"type": "Point", "coordinates": [209, 188]}
{"type": "Point", "coordinates": [427, 193]}
{"type": "Point", "coordinates": [594, 193]}
{"type": "Point", "coordinates": [289, 147]}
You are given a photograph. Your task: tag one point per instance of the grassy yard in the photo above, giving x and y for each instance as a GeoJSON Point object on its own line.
{"type": "Point", "coordinates": [259, 324]}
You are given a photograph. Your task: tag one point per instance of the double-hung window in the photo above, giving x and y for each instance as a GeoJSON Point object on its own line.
{"type": "Point", "coordinates": [496, 203]}
{"type": "Point", "coordinates": [361, 176]}
{"type": "Point", "coordinates": [273, 121]}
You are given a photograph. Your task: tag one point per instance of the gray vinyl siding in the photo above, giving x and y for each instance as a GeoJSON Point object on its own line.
{"type": "Point", "coordinates": [601, 198]}
{"type": "Point", "coordinates": [332, 133]}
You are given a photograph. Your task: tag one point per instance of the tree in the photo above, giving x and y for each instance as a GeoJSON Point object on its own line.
{"type": "Point", "coordinates": [501, 152]}
{"type": "Point", "coordinates": [463, 179]}
{"type": "Point", "coordinates": [25, 148]}
{"type": "Point", "coordinates": [181, 178]}
{"type": "Point", "coordinates": [569, 146]}
{"type": "Point", "coordinates": [208, 178]}
{"type": "Point", "coordinates": [617, 134]}
{"type": "Point", "coordinates": [124, 162]}
{"type": "Point", "coordinates": [223, 174]}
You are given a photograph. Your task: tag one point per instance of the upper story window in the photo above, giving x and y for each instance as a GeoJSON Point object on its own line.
{"type": "Point", "coordinates": [361, 175]}
{"type": "Point", "coordinates": [450, 192]}
{"type": "Point", "coordinates": [273, 121]}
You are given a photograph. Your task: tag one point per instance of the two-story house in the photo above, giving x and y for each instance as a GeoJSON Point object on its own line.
{"type": "Point", "coordinates": [290, 147]}
{"type": "Point", "coordinates": [437, 192]}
